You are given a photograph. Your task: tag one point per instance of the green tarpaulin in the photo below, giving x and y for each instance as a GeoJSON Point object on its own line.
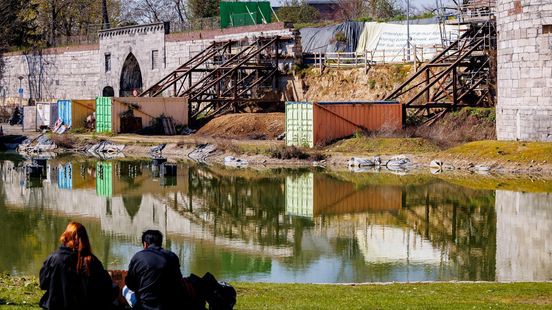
{"type": "Point", "coordinates": [234, 14]}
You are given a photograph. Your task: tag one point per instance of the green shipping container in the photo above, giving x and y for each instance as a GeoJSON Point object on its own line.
{"type": "Point", "coordinates": [104, 179]}
{"type": "Point", "coordinates": [103, 114]}
{"type": "Point", "coordinates": [234, 14]}
{"type": "Point", "coordinates": [299, 124]}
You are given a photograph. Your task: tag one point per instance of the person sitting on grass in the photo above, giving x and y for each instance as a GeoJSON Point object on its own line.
{"type": "Point", "coordinates": [154, 276]}
{"type": "Point", "coordinates": [73, 277]}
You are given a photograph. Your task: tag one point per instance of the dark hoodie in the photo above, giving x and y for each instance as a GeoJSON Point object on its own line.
{"type": "Point", "coordinates": [67, 289]}
{"type": "Point", "coordinates": [154, 274]}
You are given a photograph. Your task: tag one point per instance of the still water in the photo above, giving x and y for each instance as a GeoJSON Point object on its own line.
{"type": "Point", "coordinates": [279, 225]}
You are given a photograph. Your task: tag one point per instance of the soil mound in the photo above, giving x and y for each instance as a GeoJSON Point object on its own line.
{"type": "Point", "coordinates": [258, 126]}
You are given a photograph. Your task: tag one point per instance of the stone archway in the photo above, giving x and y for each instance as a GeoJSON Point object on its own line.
{"type": "Point", "coordinates": [108, 92]}
{"type": "Point", "coordinates": [131, 77]}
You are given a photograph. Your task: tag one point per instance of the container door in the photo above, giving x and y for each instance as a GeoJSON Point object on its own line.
{"type": "Point", "coordinates": [64, 112]}
{"type": "Point", "coordinates": [299, 124]}
{"type": "Point", "coordinates": [104, 179]}
{"type": "Point", "coordinates": [53, 114]}
{"type": "Point", "coordinates": [29, 118]}
{"type": "Point", "coordinates": [103, 114]}
{"type": "Point", "coordinates": [40, 115]}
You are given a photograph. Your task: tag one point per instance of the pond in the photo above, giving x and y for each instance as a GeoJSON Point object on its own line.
{"type": "Point", "coordinates": [278, 225]}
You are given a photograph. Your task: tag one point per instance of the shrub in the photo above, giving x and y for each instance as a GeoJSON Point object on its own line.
{"type": "Point", "coordinates": [288, 152]}
{"type": "Point", "coordinates": [63, 141]}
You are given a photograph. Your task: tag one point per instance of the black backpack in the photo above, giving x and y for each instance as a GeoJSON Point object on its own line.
{"type": "Point", "coordinates": [219, 295]}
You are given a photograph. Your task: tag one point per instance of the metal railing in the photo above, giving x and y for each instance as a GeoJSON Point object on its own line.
{"type": "Point", "coordinates": [366, 59]}
{"type": "Point", "coordinates": [208, 23]}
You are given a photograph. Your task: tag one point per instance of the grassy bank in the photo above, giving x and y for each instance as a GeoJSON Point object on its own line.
{"type": "Point", "coordinates": [23, 293]}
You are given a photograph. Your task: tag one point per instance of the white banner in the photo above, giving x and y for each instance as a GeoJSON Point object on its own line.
{"type": "Point", "coordinates": [387, 42]}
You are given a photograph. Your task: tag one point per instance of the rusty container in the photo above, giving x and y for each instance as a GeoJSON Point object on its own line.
{"type": "Point", "coordinates": [318, 123]}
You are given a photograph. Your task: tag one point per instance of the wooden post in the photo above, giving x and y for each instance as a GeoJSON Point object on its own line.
{"type": "Point", "coordinates": [454, 86]}
{"type": "Point", "coordinates": [415, 58]}
{"type": "Point", "coordinates": [338, 60]}
{"type": "Point", "coordinates": [428, 93]}
{"type": "Point", "coordinates": [383, 52]}
{"type": "Point", "coordinates": [365, 62]}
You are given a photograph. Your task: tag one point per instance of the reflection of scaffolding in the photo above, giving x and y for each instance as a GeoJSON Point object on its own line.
{"type": "Point", "coordinates": [464, 74]}
{"type": "Point", "coordinates": [226, 76]}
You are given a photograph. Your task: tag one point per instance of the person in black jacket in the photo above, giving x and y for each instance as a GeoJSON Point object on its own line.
{"type": "Point", "coordinates": [73, 277]}
{"type": "Point", "coordinates": [154, 275]}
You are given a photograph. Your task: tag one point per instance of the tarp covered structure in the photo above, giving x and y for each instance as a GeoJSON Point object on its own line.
{"type": "Point", "coordinates": [392, 38]}
{"type": "Point", "coordinates": [324, 39]}
{"type": "Point", "coordinates": [385, 41]}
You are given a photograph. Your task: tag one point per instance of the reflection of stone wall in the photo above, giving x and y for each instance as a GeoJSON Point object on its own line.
{"type": "Point", "coordinates": [127, 216]}
{"type": "Point", "coordinates": [523, 241]}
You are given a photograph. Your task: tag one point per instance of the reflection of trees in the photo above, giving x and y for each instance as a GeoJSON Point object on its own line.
{"type": "Point", "coordinates": [29, 235]}
{"type": "Point", "coordinates": [460, 222]}
{"type": "Point", "coordinates": [247, 207]}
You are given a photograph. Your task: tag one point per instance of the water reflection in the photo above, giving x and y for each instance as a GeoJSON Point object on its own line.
{"type": "Point", "coordinates": [279, 225]}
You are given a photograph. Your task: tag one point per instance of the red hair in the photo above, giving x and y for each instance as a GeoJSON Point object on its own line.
{"type": "Point", "coordinates": [76, 238]}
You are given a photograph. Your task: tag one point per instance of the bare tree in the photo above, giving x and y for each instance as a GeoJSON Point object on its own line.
{"type": "Point", "coordinates": [351, 9]}
{"type": "Point", "coordinates": [151, 11]}
{"type": "Point", "coordinates": [181, 10]}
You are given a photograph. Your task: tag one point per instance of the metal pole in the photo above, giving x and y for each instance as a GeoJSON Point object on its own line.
{"type": "Point", "coordinates": [408, 28]}
{"type": "Point", "coordinates": [20, 94]}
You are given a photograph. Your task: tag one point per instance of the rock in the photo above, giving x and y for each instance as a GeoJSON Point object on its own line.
{"type": "Point", "coordinates": [482, 168]}
{"type": "Point", "coordinates": [398, 161]}
{"type": "Point", "coordinates": [158, 149]}
{"type": "Point", "coordinates": [436, 164]}
{"type": "Point", "coordinates": [202, 151]}
{"type": "Point", "coordinates": [376, 160]}
{"type": "Point", "coordinates": [281, 136]}
{"type": "Point", "coordinates": [235, 162]}
{"type": "Point", "coordinates": [359, 162]}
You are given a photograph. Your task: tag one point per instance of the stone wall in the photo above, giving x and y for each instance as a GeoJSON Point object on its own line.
{"type": "Point", "coordinates": [79, 72]}
{"type": "Point", "coordinates": [54, 73]}
{"type": "Point", "coordinates": [524, 109]}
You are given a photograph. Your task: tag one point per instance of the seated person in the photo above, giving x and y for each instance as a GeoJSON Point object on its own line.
{"type": "Point", "coordinates": [73, 277]}
{"type": "Point", "coordinates": [154, 275]}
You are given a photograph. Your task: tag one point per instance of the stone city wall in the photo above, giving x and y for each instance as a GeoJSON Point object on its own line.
{"type": "Point", "coordinates": [524, 108]}
{"type": "Point", "coordinates": [80, 72]}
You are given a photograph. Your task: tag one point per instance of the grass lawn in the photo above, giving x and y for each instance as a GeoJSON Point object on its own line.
{"type": "Point", "coordinates": [383, 146]}
{"type": "Point", "coordinates": [514, 151]}
{"type": "Point", "coordinates": [23, 293]}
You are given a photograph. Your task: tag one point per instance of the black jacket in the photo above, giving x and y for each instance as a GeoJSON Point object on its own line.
{"type": "Point", "coordinates": [66, 289]}
{"type": "Point", "coordinates": [154, 274]}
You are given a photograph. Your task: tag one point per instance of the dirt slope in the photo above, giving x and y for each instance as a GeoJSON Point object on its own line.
{"type": "Point", "coordinates": [245, 126]}
{"type": "Point", "coordinates": [353, 84]}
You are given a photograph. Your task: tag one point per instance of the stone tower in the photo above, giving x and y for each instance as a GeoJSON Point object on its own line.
{"type": "Point", "coordinates": [524, 70]}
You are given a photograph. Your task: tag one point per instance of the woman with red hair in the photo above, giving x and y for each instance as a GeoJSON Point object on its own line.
{"type": "Point", "coordinates": [73, 277]}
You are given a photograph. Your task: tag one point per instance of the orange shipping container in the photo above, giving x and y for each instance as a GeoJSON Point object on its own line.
{"type": "Point", "coordinates": [310, 124]}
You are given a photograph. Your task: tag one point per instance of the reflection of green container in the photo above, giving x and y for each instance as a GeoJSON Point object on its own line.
{"type": "Point", "coordinates": [234, 14]}
{"type": "Point", "coordinates": [104, 179]}
{"type": "Point", "coordinates": [103, 114]}
{"type": "Point", "coordinates": [300, 195]}
{"type": "Point", "coordinates": [299, 124]}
